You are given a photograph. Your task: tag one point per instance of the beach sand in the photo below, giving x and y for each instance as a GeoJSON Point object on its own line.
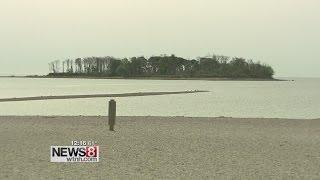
{"type": "Point", "coordinates": [163, 148]}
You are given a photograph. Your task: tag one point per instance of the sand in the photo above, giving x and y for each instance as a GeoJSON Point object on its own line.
{"type": "Point", "coordinates": [163, 148]}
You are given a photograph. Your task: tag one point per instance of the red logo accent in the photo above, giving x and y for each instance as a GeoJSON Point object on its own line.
{"type": "Point", "coordinates": [91, 151]}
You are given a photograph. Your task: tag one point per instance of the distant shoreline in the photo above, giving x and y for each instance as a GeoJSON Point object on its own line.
{"type": "Point", "coordinates": [149, 78]}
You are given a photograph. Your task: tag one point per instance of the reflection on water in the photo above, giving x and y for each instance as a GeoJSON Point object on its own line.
{"type": "Point", "coordinates": [279, 99]}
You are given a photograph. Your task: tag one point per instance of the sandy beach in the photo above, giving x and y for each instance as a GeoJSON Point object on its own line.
{"type": "Point", "coordinates": [163, 148]}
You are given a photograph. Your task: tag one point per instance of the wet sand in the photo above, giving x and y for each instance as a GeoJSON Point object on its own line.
{"type": "Point", "coordinates": [163, 148]}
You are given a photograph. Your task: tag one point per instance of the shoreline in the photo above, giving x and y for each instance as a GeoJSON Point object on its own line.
{"type": "Point", "coordinates": [38, 98]}
{"type": "Point", "coordinates": [148, 78]}
{"type": "Point", "coordinates": [150, 147]}
{"type": "Point", "coordinates": [151, 116]}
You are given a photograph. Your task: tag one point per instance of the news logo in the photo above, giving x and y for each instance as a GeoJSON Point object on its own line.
{"type": "Point", "coordinates": [78, 152]}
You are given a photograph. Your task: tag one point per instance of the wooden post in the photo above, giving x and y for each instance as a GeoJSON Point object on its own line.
{"type": "Point", "coordinates": [112, 114]}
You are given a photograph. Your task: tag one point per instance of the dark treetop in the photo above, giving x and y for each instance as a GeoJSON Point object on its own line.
{"type": "Point", "coordinates": [161, 66]}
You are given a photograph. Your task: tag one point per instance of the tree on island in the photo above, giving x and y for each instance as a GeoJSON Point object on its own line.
{"type": "Point", "coordinates": [162, 66]}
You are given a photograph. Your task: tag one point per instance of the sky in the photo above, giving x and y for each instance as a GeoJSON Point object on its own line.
{"type": "Point", "coordinates": [282, 33]}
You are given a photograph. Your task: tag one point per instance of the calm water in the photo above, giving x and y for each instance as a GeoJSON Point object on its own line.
{"type": "Point", "coordinates": [283, 99]}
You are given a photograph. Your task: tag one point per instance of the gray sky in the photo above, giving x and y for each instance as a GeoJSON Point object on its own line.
{"type": "Point", "coordinates": [282, 33]}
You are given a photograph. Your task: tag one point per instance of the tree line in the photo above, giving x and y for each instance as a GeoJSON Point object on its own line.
{"type": "Point", "coordinates": [166, 66]}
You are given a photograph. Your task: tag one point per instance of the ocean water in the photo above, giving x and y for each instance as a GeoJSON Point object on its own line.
{"type": "Point", "coordinates": [269, 99]}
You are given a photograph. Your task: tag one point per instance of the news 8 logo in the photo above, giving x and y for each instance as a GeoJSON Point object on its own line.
{"type": "Point", "coordinates": [74, 153]}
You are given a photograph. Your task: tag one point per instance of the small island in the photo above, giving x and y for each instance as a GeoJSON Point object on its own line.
{"type": "Point", "coordinates": [162, 67]}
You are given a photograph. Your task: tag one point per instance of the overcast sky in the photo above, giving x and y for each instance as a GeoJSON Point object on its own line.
{"type": "Point", "coordinates": [282, 33]}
